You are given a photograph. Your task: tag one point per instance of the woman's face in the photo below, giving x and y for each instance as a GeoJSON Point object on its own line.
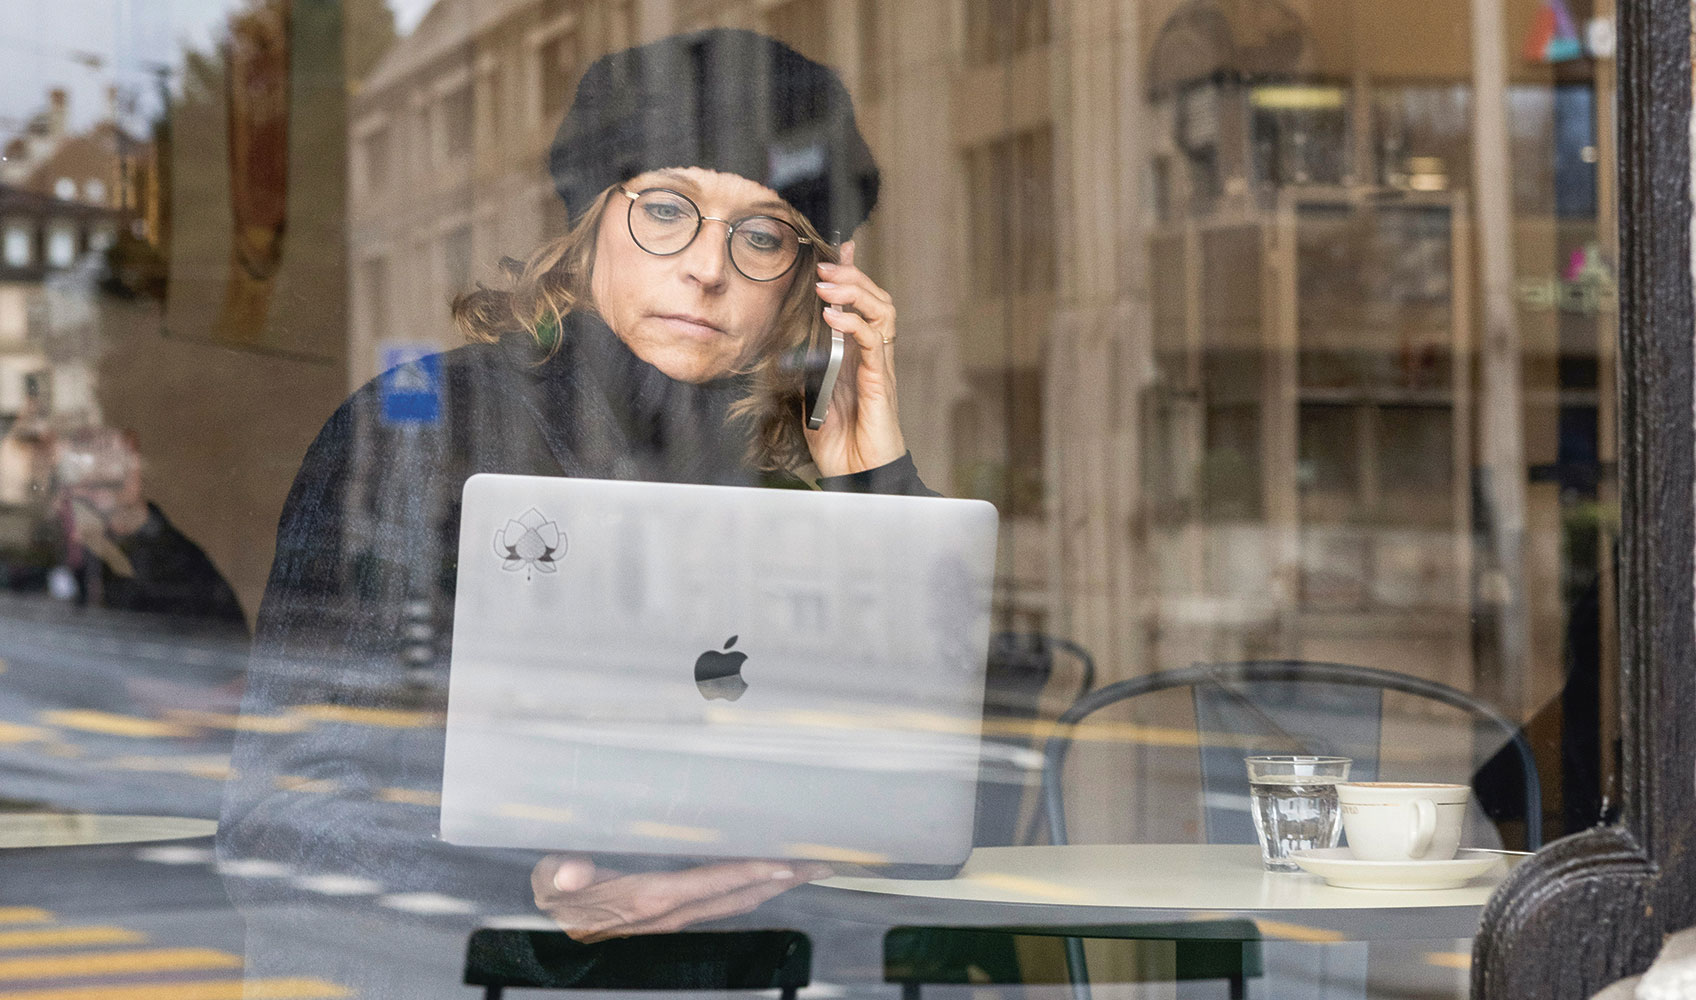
{"type": "Point", "coordinates": [692, 315]}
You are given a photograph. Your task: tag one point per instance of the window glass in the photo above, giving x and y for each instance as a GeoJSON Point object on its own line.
{"type": "Point", "coordinates": [1262, 354]}
{"type": "Point", "coordinates": [61, 244]}
{"type": "Point", "coordinates": [18, 248]}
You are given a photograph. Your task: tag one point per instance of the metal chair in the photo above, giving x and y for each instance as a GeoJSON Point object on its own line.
{"type": "Point", "coordinates": [1229, 683]}
{"type": "Point", "coordinates": [1226, 692]}
{"type": "Point", "coordinates": [1021, 668]}
{"type": "Point", "coordinates": [496, 959]}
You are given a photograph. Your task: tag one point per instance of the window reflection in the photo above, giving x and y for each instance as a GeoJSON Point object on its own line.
{"type": "Point", "coordinates": [1219, 302]}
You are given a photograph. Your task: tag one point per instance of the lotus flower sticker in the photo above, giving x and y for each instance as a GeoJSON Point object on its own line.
{"type": "Point", "coordinates": [530, 542]}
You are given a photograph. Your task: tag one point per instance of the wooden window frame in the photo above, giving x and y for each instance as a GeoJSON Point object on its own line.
{"type": "Point", "coordinates": [1592, 908]}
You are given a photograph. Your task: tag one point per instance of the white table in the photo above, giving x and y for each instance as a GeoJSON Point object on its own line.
{"type": "Point", "coordinates": [1111, 885]}
{"type": "Point", "coordinates": [85, 829]}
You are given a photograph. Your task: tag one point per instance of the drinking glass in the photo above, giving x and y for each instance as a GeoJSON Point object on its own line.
{"type": "Point", "coordinates": [1295, 804]}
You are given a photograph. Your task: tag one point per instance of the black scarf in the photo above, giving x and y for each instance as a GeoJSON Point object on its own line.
{"type": "Point", "coordinates": [605, 413]}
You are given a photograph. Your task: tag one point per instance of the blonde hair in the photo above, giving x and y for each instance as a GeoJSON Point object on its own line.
{"type": "Point", "coordinates": [555, 280]}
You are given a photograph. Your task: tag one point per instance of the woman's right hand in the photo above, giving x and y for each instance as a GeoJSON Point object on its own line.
{"type": "Point", "coordinates": [593, 904]}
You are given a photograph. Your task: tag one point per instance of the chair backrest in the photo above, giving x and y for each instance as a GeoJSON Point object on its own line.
{"type": "Point", "coordinates": [1021, 665]}
{"type": "Point", "coordinates": [1229, 685]}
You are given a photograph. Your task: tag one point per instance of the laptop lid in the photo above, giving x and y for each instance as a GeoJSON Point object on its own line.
{"type": "Point", "coordinates": [663, 669]}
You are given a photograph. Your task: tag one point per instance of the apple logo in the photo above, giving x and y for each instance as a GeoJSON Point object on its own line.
{"type": "Point", "coordinates": [719, 675]}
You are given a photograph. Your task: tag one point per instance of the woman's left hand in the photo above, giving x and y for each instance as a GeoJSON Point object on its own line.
{"type": "Point", "coordinates": [862, 430]}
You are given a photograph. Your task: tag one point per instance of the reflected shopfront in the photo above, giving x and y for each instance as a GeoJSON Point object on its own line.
{"type": "Point", "coordinates": [1281, 334]}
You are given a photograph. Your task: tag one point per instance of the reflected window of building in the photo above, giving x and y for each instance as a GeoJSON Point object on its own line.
{"type": "Point", "coordinates": [453, 123]}
{"type": "Point", "coordinates": [997, 30]}
{"type": "Point", "coordinates": [1300, 134]}
{"type": "Point", "coordinates": [873, 62]}
{"type": "Point", "coordinates": [801, 24]}
{"type": "Point", "coordinates": [376, 159]}
{"type": "Point", "coordinates": [552, 213]}
{"type": "Point", "coordinates": [1011, 192]}
{"type": "Point", "coordinates": [558, 59]}
{"type": "Point", "coordinates": [1422, 136]}
{"type": "Point", "coordinates": [456, 260]}
{"type": "Point", "coordinates": [374, 297]}
{"type": "Point", "coordinates": [94, 191]}
{"type": "Point", "coordinates": [65, 189]}
{"type": "Point", "coordinates": [19, 245]}
{"type": "Point", "coordinates": [101, 237]}
{"type": "Point", "coordinates": [61, 244]}
{"type": "Point", "coordinates": [14, 314]}
{"type": "Point", "coordinates": [998, 443]}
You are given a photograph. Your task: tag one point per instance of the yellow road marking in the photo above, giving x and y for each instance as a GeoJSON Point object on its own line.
{"type": "Point", "coordinates": [1449, 959]}
{"type": "Point", "coordinates": [1036, 729]}
{"type": "Point", "coordinates": [112, 724]}
{"type": "Point", "coordinates": [390, 717]}
{"type": "Point", "coordinates": [24, 915]}
{"type": "Point", "coordinates": [110, 962]}
{"type": "Point", "coordinates": [243, 723]}
{"type": "Point", "coordinates": [11, 732]}
{"type": "Point", "coordinates": [827, 852]}
{"type": "Point", "coordinates": [213, 766]}
{"type": "Point", "coordinates": [212, 989]}
{"type": "Point", "coordinates": [409, 796]}
{"type": "Point", "coordinates": [301, 783]}
{"type": "Point", "coordinates": [671, 831]}
{"type": "Point", "coordinates": [518, 810]}
{"type": "Point", "coordinates": [68, 937]}
{"type": "Point", "coordinates": [1297, 932]}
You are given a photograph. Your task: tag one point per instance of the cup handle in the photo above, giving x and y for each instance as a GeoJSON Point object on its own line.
{"type": "Point", "coordinates": [1424, 827]}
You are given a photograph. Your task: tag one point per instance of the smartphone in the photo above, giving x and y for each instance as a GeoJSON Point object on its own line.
{"type": "Point", "coordinates": [823, 362]}
{"type": "Point", "coordinates": [821, 366]}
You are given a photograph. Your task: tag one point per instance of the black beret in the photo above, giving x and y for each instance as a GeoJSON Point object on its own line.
{"type": "Point", "coordinates": [722, 99]}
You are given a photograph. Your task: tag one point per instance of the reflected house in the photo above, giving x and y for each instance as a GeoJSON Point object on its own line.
{"type": "Point", "coordinates": [1337, 394]}
{"type": "Point", "coordinates": [64, 200]}
{"type": "Point", "coordinates": [1191, 290]}
{"type": "Point", "coordinates": [1328, 427]}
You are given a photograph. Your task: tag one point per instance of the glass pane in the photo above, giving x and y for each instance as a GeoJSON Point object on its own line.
{"type": "Point", "coordinates": [1262, 353]}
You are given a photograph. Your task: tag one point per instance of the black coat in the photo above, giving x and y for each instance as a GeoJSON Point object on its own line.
{"type": "Point", "coordinates": [340, 767]}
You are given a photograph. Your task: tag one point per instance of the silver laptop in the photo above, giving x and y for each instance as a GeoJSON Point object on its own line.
{"type": "Point", "coordinates": [665, 669]}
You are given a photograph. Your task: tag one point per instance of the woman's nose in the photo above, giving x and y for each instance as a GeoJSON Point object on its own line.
{"type": "Point", "coordinates": [708, 258]}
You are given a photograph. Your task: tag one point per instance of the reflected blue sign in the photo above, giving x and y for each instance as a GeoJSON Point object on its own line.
{"type": "Point", "coordinates": [411, 384]}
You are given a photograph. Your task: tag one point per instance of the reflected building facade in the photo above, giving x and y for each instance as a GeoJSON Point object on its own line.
{"type": "Point", "coordinates": [1266, 337]}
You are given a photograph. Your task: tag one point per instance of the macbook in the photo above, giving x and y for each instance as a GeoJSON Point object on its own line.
{"type": "Point", "coordinates": [709, 671]}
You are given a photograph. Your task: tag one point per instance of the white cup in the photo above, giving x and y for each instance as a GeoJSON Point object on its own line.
{"type": "Point", "coordinates": [1402, 820]}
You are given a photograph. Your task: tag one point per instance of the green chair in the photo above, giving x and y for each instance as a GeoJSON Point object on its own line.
{"type": "Point", "coordinates": [497, 959]}
{"type": "Point", "coordinates": [918, 956]}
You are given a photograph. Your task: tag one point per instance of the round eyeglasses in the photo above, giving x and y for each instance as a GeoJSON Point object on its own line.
{"type": "Point", "coordinates": [663, 223]}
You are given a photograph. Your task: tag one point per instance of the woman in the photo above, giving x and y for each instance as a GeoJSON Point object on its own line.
{"type": "Point", "coordinates": [651, 341]}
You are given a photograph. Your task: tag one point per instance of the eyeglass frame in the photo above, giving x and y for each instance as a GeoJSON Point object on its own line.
{"type": "Point", "coordinates": [701, 219]}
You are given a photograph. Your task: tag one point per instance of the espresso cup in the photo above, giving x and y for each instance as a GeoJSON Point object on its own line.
{"type": "Point", "coordinates": [1402, 820]}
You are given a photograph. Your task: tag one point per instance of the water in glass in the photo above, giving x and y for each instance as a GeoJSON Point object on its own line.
{"type": "Point", "coordinates": [1295, 804]}
{"type": "Point", "coordinates": [1293, 812]}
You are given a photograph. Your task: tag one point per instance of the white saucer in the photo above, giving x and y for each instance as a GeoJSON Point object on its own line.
{"type": "Point", "coordinates": [1339, 867]}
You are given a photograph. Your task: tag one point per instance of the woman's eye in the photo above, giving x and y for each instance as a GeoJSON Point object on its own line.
{"type": "Point", "coordinates": [664, 211]}
{"type": "Point", "coordinates": [762, 239]}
